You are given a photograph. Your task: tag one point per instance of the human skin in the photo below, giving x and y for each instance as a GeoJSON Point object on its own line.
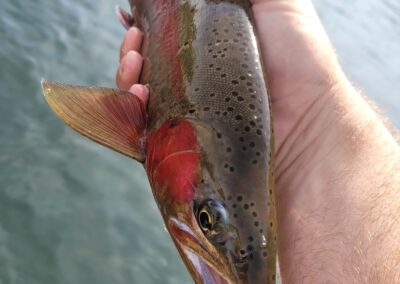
{"type": "Point", "coordinates": [337, 165]}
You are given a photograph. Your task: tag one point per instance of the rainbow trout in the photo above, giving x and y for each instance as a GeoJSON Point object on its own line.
{"type": "Point", "coordinates": [205, 137]}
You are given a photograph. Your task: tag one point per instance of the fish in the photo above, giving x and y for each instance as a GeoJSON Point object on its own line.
{"type": "Point", "coordinates": [205, 137]}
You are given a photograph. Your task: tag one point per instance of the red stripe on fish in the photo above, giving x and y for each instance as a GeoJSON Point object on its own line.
{"type": "Point", "coordinates": [173, 160]}
{"type": "Point", "coordinates": [176, 176]}
{"type": "Point", "coordinates": [166, 23]}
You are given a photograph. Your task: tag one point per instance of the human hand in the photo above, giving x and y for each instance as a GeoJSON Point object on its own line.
{"type": "Point", "coordinates": [336, 164]}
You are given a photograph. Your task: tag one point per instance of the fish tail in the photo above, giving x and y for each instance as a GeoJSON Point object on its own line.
{"type": "Point", "coordinates": [125, 17]}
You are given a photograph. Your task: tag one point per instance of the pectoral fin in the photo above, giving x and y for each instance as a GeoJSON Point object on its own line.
{"type": "Point", "coordinates": [113, 118]}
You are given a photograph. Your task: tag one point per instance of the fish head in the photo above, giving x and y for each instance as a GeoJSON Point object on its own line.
{"type": "Point", "coordinates": [219, 219]}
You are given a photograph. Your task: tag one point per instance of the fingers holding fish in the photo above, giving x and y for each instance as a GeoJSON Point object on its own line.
{"type": "Point", "coordinates": [131, 65]}
{"type": "Point", "coordinates": [141, 91]}
{"type": "Point", "coordinates": [129, 70]}
{"type": "Point", "coordinates": [132, 41]}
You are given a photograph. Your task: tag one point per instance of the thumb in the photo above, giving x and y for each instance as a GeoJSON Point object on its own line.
{"type": "Point", "coordinates": [293, 41]}
{"type": "Point", "coordinates": [299, 59]}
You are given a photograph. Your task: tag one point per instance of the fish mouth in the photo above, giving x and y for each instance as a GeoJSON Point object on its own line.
{"type": "Point", "coordinates": [206, 264]}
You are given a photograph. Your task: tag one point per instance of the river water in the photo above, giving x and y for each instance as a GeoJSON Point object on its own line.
{"type": "Point", "coordinates": [74, 212]}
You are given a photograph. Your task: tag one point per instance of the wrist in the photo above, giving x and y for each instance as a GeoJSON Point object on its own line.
{"type": "Point", "coordinates": [330, 173]}
{"type": "Point", "coordinates": [339, 129]}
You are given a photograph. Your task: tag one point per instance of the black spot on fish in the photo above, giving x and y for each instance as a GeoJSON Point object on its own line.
{"type": "Point", "coordinates": [242, 254]}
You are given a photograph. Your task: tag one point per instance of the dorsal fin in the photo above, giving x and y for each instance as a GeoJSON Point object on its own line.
{"type": "Point", "coordinates": [111, 117]}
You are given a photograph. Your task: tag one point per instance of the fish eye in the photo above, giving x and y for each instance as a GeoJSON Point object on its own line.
{"type": "Point", "coordinates": [205, 220]}
{"type": "Point", "coordinates": [213, 220]}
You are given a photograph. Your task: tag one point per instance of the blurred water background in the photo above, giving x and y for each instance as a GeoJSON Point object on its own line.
{"type": "Point", "coordinates": [74, 212]}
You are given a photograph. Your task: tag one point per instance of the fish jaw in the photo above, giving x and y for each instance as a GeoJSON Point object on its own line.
{"type": "Point", "coordinates": [202, 259]}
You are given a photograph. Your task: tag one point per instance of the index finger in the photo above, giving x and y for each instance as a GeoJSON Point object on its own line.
{"type": "Point", "coordinates": [132, 41]}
